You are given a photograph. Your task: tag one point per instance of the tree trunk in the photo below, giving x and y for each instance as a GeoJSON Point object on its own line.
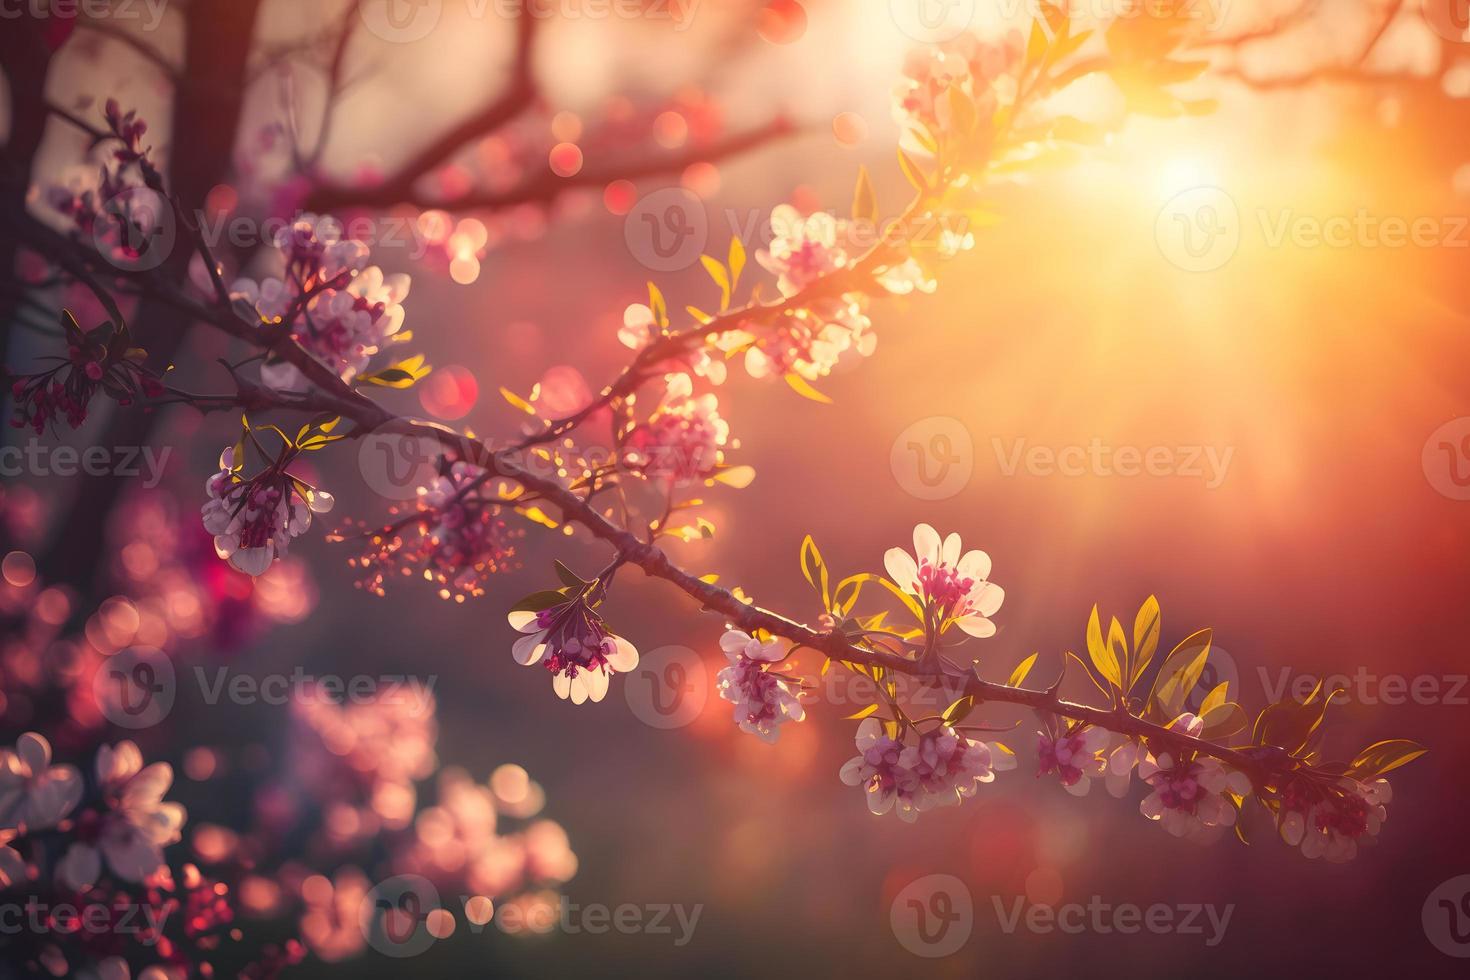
{"type": "Point", "coordinates": [206, 117]}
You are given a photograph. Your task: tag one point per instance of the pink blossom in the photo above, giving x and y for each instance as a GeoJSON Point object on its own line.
{"type": "Point", "coordinates": [880, 769]}
{"type": "Point", "coordinates": [682, 440]}
{"type": "Point", "coordinates": [575, 646]}
{"type": "Point", "coordinates": [253, 521]}
{"type": "Point", "coordinates": [1331, 820]}
{"type": "Point", "coordinates": [803, 249]}
{"type": "Point", "coordinates": [34, 794]}
{"type": "Point", "coordinates": [1188, 794]}
{"type": "Point", "coordinates": [950, 766]}
{"type": "Point", "coordinates": [763, 700]}
{"type": "Point", "coordinates": [1075, 756]}
{"type": "Point", "coordinates": [135, 826]}
{"type": "Point", "coordinates": [954, 586]}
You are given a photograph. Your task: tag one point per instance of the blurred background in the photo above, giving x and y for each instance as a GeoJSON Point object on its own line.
{"type": "Point", "coordinates": [1311, 396]}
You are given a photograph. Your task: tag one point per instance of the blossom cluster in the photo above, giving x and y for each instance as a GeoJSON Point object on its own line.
{"type": "Point", "coordinates": [574, 644]}
{"type": "Point", "coordinates": [941, 768]}
{"type": "Point", "coordinates": [454, 533]}
{"type": "Point", "coordinates": [763, 699]}
{"type": "Point", "coordinates": [253, 520]}
{"type": "Point", "coordinates": [682, 440]}
{"type": "Point", "coordinates": [338, 308]}
{"type": "Point", "coordinates": [101, 359]}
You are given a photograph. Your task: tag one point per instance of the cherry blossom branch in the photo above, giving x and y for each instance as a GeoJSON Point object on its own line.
{"type": "Point", "coordinates": [546, 186]}
{"type": "Point", "coordinates": [1350, 70]}
{"type": "Point", "coordinates": [520, 92]}
{"type": "Point", "coordinates": [965, 131]}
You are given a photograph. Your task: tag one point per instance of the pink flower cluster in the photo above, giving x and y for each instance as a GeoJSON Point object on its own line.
{"type": "Point", "coordinates": [1075, 756]}
{"type": "Point", "coordinates": [134, 826]}
{"type": "Point", "coordinates": [338, 308]}
{"type": "Point", "coordinates": [1331, 820]}
{"type": "Point", "coordinates": [254, 520]}
{"type": "Point", "coordinates": [573, 643]}
{"type": "Point", "coordinates": [99, 360]}
{"type": "Point", "coordinates": [983, 70]}
{"type": "Point", "coordinates": [943, 768]}
{"type": "Point", "coordinates": [360, 760]}
{"type": "Point", "coordinates": [682, 441]}
{"type": "Point", "coordinates": [763, 700]}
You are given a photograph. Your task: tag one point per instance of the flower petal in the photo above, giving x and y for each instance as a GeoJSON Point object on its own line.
{"type": "Point", "coordinates": [926, 544]}
{"type": "Point", "coordinates": [529, 648]}
{"type": "Point", "coordinates": [902, 569]}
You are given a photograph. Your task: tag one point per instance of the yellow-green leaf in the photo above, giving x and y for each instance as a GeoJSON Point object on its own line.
{"type": "Point", "coordinates": [1146, 626]}
{"type": "Point", "coordinates": [736, 260]}
{"type": "Point", "coordinates": [1382, 757]}
{"type": "Point", "coordinates": [1018, 676]}
{"type": "Point", "coordinates": [517, 401]}
{"type": "Point", "coordinates": [864, 198]}
{"type": "Point", "coordinates": [804, 389]}
{"type": "Point", "coordinates": [721, 277]}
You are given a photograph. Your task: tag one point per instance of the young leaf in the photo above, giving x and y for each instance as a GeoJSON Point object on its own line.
{"type": "Point", "coordinates": [958, 711]}
{"type": "Point", "coordinates": [1146, 627]}
{"type": "Point", "coordinates": [658, 306]}
{"type": "Point", "coordinates": [568, 577]}
{"type": "Point", "coordinates": [517, 401]}
{"type": "Point", "coordinates": [1104, 658]}
{"type": "Point", "coordinates": [720, 276]}
{"type": "Point", "coordinates": [1382, 757]}
{"type": "Point", "coordinates": [1018, 676]}
{"type": "Point", "coordinates": [864, 199]}
{"type": "Point", "coordinates": [912, 172]}
{"type": "Point", "coordinates": [815, 569]}
{"type": "Point", "coordinates": [738, 477]}
{"type": "Point", "coordinates": [1181, 672]}
{"type": "Point", "coordinates": [736, 260]}
{"type": "Point", "coordinates": [804, 389]}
